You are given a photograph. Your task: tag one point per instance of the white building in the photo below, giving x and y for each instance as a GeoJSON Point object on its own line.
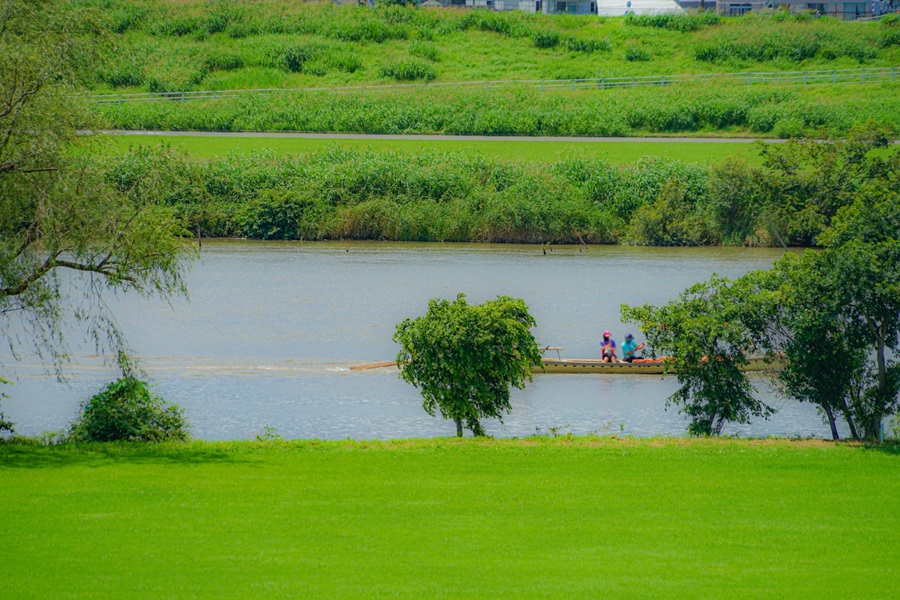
{"type": "Point", "coordinates": [620, 8]}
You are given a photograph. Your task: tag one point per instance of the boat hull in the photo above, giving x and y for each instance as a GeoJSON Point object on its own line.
{"type": "Point", "coordinates": [588, 365]}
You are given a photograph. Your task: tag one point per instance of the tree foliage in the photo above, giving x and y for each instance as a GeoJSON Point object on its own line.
{"type": "Point", "coordinates": [464, 357]}
{"type": "Point", "coordinates": [125, 410]}
{"type": "Point", "coordinates": [834, 315]}
{"type": "Point", "coordinates": [706, 331]}
{"type": "Point", "coordinates": [57, 212]}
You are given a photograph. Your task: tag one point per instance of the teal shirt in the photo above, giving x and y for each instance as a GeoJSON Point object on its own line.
{"type": "Point", "coordinates": [629, 347]}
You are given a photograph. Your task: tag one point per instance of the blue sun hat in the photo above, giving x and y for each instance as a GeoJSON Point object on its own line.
{"type": "Point", "coordinates": [628, 336]}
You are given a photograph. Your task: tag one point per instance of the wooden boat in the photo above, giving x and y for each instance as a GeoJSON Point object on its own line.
{"type": "Point", "coordinates": [595, 365]}
{"type": "Point", "coordinates": [649, 367]}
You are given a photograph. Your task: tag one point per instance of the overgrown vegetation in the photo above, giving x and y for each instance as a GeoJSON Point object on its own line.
{"type": "Point", "coordinates": [527, 111]}
{"type": "Point", "coordinates": [456, 196]}
{"type": "Point", "coordinates": [126, 411]}
{"type": "Point", "coordinates": [193, 45]}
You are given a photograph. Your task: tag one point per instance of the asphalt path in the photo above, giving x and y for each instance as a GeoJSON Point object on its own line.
{"type": "Point", "coordinates": [452, 138]}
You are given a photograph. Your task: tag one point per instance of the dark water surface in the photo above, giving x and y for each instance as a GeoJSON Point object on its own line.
{"type": "Point", "coordinates": [272, 328]}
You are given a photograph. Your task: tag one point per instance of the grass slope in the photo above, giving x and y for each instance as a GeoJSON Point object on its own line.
{"type": "Point", "coordinates": [194, 45]}
{"type": "Point", "coordinates": [589, 517]}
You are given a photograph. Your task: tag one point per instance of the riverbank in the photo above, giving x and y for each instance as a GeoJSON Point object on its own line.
{"type": "Point", "coordinates": [449, 518]}
{"type": "Point", "coordinates": [464, 196]}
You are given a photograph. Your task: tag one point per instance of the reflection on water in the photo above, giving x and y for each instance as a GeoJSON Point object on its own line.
{"type": "Point", "coordinates": [272, 328]}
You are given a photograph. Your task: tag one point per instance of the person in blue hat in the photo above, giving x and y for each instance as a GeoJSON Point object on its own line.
{"type": "Point", "coordinates": [629, 348]}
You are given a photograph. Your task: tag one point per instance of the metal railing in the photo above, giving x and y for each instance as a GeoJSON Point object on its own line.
{"type": "Point", "coordinates": [599, 83]}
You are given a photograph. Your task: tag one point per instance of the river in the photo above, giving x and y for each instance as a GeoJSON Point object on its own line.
{"type": "Point", "coordinates": [271, 329]}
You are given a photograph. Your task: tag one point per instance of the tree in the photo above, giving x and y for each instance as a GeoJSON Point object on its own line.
{"type": "Point", "coordinates": [464, 358]}
{"type": "Point", "coordinates": [705, 332]}
{"type": "Point", "coordinates": [793, 197]}
{"type": "Point", "coordinates": [824, 363]}
{"type": "Point", "coordinates": [57, 211]}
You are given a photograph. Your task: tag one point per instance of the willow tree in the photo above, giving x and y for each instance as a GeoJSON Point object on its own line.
{"type": "Point", "coordinates": [57, 211]}
{"type": "Point", "coordinates": [465, 357]}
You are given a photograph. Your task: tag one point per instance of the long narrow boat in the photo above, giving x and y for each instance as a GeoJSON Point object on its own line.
{"type": "Point", "coordinates": [595, 365]}
{"type": "Point", "coordinates": [589, 365]}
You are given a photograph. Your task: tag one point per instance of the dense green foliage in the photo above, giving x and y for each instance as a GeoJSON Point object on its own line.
{"type": "Point", "coordinates": [568, 518]}
{"type": "Point", "coordinates": [455, 196]}
{"type": "Point", "coordinates": [688, 108]}
{"type": "Point", "coordinates": [464, 357]}
{"type": "Point", "coordinates": [173, 42]}
{"type": "Point", "coordinates": [833, 315]}
{"type": "Point", "coordinates": [194, 45]}
{"type": "Point", "coordinates": [705, 330]}
{"type": "Point", "coordinates": [125, 410]}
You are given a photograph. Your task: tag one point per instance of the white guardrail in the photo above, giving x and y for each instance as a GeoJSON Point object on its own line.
{"type": "Point", "coordinates": [600, 83]}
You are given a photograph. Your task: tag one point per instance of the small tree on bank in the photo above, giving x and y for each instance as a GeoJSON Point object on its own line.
{"type": "Point", "coordinates": [706, 331]}
{"type": "Point", "coordinates": [464, 357]}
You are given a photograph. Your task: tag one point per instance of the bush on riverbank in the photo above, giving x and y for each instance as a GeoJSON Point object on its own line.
{"type": "Point", "coordinates": [456, 196]}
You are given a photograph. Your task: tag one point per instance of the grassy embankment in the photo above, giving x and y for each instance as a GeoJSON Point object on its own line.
{"type": "Point", "coordinates": [588, 517]}
{"type": "Point", "coordinates": [198, 46]}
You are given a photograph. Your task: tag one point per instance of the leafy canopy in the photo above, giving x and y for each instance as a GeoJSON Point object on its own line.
{"type": "Point", "coordinates": [705, 330]}
{"type": "Point", "coordinates": [464, 357]}
{"type": "Point", "coordinates": [57, 211]}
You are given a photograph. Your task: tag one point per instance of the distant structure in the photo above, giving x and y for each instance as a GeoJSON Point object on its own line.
{"type": "Point", "coordinates": [547, 7]}
{"type": "Point", "coordinates": [847, 11]}
{"type": "Point", "coordinates": [620, 8]}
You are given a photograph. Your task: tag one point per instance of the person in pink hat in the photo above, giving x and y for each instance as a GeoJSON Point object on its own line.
{"type": "Point", "coordinates": [608, 348]}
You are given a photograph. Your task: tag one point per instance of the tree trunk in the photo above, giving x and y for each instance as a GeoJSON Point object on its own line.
{"type": "Point", "coordinates": [458, 422]}
{"type": "Point", "coordinates": [849, 418]}
{"type": "Point", "coordinates": [834, 432]}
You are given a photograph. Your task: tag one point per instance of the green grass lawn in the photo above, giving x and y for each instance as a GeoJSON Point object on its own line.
{"type": "Point", "coordinates": [443, 518]}
{"type": "Point", "coordinates": [616, 153]}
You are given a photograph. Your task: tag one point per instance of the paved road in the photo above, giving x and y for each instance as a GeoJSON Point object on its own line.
{"type": "Point", "coordinates": [452, 138]}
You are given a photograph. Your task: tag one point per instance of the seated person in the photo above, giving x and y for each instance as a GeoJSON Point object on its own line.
{"type": "Point", "coordinates": [608, 348]}
{"type": "Point", "coordinates": [629, 348]}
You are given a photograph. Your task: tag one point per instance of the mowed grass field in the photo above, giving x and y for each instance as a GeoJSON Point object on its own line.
{"type": "Point", "coordinates": [540, 517]}
{"type": "Point", "coordinates": [615, 153]}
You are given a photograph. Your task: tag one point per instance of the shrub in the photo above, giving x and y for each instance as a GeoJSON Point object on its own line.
{"type": "Point", "coordinates": [175, 26]}
{"type": "Point", "coordinates": [574, 44]}
{"type": "Point", "coordinates": [293, 58]}
{"type": "Point", "coordinates": [789, 127]}
{"type": "Point", "coordinates": [126, 411]}
{"type": "Point", "coordinates": [408, 70]}
{"type": "Point", "coordinates": [222, 61]}
{"type": "Point", "coordinates": [636, 54]}
{"type": "Point", "coordinates": [424, 50]}
{"type": "Point", "coordinates": [241, 30]}
{"type": "Point", "coordinates": [674, 21]}
{"type": "Point", "coordinates": [344, 61]}
{"type": "Point", "coordinates": [545, 39]}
